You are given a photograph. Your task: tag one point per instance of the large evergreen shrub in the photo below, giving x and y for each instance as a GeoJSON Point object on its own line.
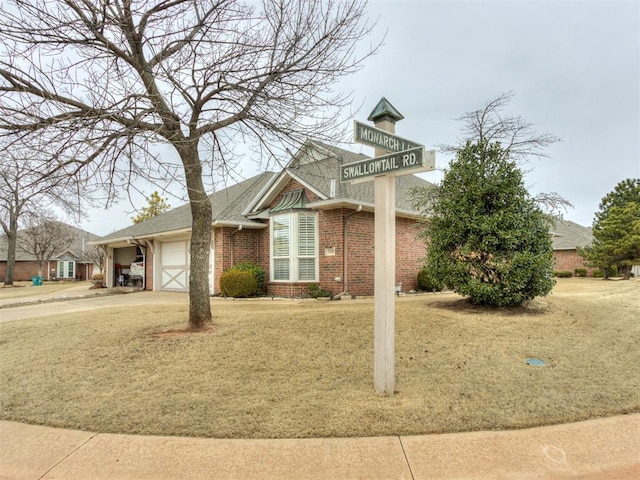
{"type": "Point", "coordinates": [485, 234]}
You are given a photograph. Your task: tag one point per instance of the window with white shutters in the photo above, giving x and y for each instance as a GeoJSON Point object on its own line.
{"type": "Point", "coordinates": [294, 247]}
{"type": "Point", "coordinates": [306, 247]}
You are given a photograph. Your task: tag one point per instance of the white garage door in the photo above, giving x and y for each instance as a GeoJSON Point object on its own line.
{"type": "Point", "coordinates": [174, 266]}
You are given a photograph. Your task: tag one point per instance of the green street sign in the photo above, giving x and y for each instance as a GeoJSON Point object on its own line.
{"type": "Point", "coordinates": [408, 161]}
{"type": "Point", "coordinates": [374, 137]}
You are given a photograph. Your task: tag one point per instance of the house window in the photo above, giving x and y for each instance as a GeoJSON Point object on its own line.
{"type": "Point", "coordinates": [294, 247]}
{"type": "Point", "coordinates": [66, 269]}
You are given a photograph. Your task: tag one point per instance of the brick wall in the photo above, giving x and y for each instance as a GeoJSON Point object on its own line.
{"type": "Point", "coordinates": [148, 269]}
{"type": "Point", "coordinates": [410, 253]}
{"type": "Point", "coordinates": [233, 246]}
{"type": "Point", "coordinates": [360, 254]}
{"type": "Point", "coordinates": [331, 249]}
{"type": "Point", "coordinates": [24, 271]}
{"type": "Point", "coordinates": [569, 260]}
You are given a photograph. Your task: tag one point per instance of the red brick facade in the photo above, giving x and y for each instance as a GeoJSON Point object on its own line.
{"type": "Point", "coordinates": [569, 260]}
{"type": "Point", "coordinates": [253, 245]}
{"type": "Point", "coordinates": [24, 271]}
{"type": "Point", "coordinates": [148, 269]}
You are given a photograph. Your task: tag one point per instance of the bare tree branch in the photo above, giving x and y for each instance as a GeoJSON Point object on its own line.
{"type": "Point", "coordinates": [106, 82]}
{"type": "Point", "coordinates": [517, 136]}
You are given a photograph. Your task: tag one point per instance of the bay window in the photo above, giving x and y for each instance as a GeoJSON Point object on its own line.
{"type": "Point", "coordinates": [294, 247]}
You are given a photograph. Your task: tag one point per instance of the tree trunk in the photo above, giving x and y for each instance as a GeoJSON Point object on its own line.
{"type": "Point", "coordinates": [199, 301]}
{"type": "Point", "coordinates": [12, 241]}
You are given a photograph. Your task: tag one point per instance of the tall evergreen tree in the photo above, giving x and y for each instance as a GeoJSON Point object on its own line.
{"type": "Point", "coordinates": [155, 206]}
{"type": "Point", "coordinates": [616, 229]}
{"type": "Point", "coordinates": [486, 236]}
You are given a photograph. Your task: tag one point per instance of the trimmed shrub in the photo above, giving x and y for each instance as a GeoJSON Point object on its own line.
{"type": "Point", "coordinates": [580, 272]}
{"type": "Point", "coordinates": [258, 272]}
{"type": "Point", "coordinates": [427, 283]}
{"type": "Point", "coordinates": [238, 283]}
{"type": "Point", "coordinates": [562, 274]}
{"type": "Point", "coordinates": [598, 273]}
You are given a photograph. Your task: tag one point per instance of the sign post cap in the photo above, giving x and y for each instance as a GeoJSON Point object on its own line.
{"type": "Point", "coordinates": [385, 109]}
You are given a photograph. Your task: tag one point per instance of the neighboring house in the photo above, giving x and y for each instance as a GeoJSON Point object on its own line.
{"type": "Point", "coordinates": [566, 237]}
{"type": "Point", "coordinates": [302, 225]}
{"type": "Point", "coordinates": [72, 263]}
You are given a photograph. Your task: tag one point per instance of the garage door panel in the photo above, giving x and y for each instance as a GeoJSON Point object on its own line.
{"type": "Point", "coordinates": [175, 266]}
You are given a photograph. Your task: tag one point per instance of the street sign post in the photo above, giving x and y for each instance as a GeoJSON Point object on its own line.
{"type": "Point", "coordinates": [395, 156]}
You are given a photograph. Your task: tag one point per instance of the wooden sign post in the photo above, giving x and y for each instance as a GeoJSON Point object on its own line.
{"type": "Point", "coordinates": [394, 156]}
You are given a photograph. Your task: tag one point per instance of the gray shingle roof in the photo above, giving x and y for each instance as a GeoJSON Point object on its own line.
{"type": "Point", "coordinates": [227, 205]}
{"type": "Point", "coordinates": [76, 248]}
{"type": "Point", "coordinates": [567, 235]}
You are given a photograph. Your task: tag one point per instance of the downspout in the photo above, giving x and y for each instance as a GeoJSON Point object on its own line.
{"type": "Point", "coordinates": [232, 243]}
{"type": "Point", "coordinates": [344, 251]}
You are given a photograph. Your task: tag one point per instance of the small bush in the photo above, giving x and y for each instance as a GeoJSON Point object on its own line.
{"type": "Point", "coordinates": [238, 283]}
{"type": "Point", "coordinates": [427, 283]}
{"type": "Point", "coordinates": [97, 276]}
{"type": "Point", "coordinates": [562, 273]}
{"type": "Point", "coordinates": [580, 272]}
{"type": "Point", "coordinates": [598, 273]}
{"type": "Point", "coordinates": [316, 292]}
{"type": "Point", "coordinates": [258, 272]}
{"type": "Point", "coordinates": [613, 271]}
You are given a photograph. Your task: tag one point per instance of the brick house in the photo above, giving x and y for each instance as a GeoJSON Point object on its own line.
{"type": "Point", "coordinates": [70, 264]}
{"type": "Point", "coordinates": [566, 237]}
{"type": "Point", "coordinates": [301, 224]}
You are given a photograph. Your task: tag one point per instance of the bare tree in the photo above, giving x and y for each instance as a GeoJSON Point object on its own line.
{"type": "Point", "coordinates": [517, 137]}
{"type": "Point", "coordinates": [24, 188]}
{"type": "Point", "coordinates": [96, 255]}
{"type": "Point", "coordinates": [44, 238]}
{"type": "Point", "coordinates": [105, 80]}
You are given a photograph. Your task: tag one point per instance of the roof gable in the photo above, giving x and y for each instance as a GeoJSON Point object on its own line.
{"type": "Point", "coordinates": [319, 172]}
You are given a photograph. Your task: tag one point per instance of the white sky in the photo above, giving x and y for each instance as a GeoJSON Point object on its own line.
{"type": "Point", "coordinates": [574, 67]}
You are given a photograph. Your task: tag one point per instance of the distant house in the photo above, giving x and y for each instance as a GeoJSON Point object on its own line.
{"type": "Point", "coordinates": [301, 224]}
{"type": "Point", "coordinates": [72, 263]}
{"type": "Point", "coordinates": [566, 237]}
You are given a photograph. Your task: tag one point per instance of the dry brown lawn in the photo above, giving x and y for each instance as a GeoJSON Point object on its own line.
{"type": "Point", "coordinates": [304, 368]}
{"type": "Point", "coordinates": [26, 289]}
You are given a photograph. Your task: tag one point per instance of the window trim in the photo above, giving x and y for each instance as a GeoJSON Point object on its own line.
{"type": "Point", "coordinates": [294, 256]}
{"type": "Point", "coordinates": [65, 264]}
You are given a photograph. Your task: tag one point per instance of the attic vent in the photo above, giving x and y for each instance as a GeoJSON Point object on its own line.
{"type": "Point", "coordinates": [291, 200]}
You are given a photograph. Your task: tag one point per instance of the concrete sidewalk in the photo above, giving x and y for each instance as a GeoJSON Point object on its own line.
{"type": "Point", "coordinates": [597, 449]}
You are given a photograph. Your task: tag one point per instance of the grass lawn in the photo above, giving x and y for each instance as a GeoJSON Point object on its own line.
{"type": "Point", "coordinates": [26, 289]}
{"type": "Point", "coordinates": [305, 368]}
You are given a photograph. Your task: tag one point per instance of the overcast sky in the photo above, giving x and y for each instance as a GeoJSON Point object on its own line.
{"type": "Point", "coordinates": [574, 67]}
